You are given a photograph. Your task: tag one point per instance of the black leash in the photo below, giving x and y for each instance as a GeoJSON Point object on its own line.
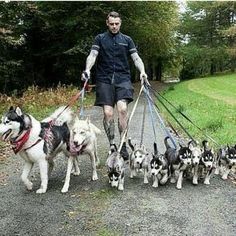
{"type": "Point", "coordinates": [163, 104]}
{"type": "Point", "coordinates": [156, 94]}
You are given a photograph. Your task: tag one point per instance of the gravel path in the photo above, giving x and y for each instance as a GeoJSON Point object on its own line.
{"type": "Point", "coordinates": [93, 208]}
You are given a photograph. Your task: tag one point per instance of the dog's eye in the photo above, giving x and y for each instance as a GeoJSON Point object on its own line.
{"type": "Point", "coordinates": [82, 132]}
{"type": "Point", "coordinates": [6, 122]}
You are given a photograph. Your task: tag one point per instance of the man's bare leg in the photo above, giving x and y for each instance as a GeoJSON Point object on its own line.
{"type": "Point", "coordinates": [108, 123]}
{"type": "Point", "coordinates": [122, 108]}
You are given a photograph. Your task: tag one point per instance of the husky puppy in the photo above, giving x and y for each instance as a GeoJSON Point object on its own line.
{"type": "Point", "coordinates": [207, 162]}
{"type": "Point", "coordinates": [179, 161]}
{"type": "Point", "coordinates": [36, 142]}
{"type": "Point", "coordinates": [116, 168]}
{"type": "Point", "coordinates": [226, 159]}
{"type": "Point", "coordinates": [196, 157]}
{"type": "Point", "coordinates": [159, 168]}
{"type": "Point", "coordinates": [139, 161]}
{"type": "Point", "coordinates": [83, 140]}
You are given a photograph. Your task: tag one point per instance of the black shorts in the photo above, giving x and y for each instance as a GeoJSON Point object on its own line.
{"type": "Point", "coordinates": [110, 94]}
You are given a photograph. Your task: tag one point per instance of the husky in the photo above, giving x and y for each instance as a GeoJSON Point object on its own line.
{"type": "Point", "coordinates": [196, 157]}
{"type": "Point", "coordinates": [139, 161]}
{"type": "Point", "coordinates": [179, 161]}
{"type": "Point", "coordinates": [226, 159]}
{"type": "Point", "coordinates": [39, 142]}
{"type": "Point", "coordinates": [116, 168]}
{"type": "Point", "coordinates": [207, 162]}
{"type": "Point", "coordinates": [159, 168]}
{"type": "Point", "coordinates": [83, 140]}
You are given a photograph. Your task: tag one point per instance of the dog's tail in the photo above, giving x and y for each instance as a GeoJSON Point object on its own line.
{"type": "Point", "coordinates": [130, 144]}
{"type": "Point", "coordinates": [166, 142]}
{"type": "Point", "coordinates": [61, 116]}
{"type": "Point", "coordinates": [205, 144]}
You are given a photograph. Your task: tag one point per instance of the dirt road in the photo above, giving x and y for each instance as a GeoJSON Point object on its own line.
{"type": "Point", "coordinates": [93, 208]}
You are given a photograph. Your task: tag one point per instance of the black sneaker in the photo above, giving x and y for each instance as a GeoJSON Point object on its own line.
{"type": "Point", "coordinates": [124, 153]}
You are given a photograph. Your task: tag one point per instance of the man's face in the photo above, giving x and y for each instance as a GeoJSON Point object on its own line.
{"type": "Point", "coordinates": [113, 24]}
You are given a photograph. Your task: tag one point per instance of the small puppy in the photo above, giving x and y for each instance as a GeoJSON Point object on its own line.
{"type": "Point", "coordinates": [139, 161]}
{"type": "Point", "coordinates": [159, 168]}
{"type": "Point", "coordinates": [207, 162]}
{"type": "Point", "coordinates": [179, 161]}
{"type": "Point", "coordinates": [226, 159]}
{"type": "Point", "coordinates": [196, 157]}
{"type": "Point", "coordinates": [116, 168]}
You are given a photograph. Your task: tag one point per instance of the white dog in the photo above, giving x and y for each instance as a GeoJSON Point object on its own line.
{"type": "Point", "coordinates": [39, 142]}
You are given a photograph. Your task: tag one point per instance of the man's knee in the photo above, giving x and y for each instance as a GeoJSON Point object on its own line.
{"type": "Point", "coordinates": [108, 112]}
{"type": "Point", "coordinates": [122, 107]}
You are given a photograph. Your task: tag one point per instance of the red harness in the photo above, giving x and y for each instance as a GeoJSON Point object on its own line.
{"type": "Point", "coordinates": [18, 144]}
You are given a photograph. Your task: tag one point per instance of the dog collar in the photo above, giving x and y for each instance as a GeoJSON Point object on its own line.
{"type": "Point", "coordinates": [18, 144]}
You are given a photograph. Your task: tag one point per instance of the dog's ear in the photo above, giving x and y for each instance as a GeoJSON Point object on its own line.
{"type": "Point", "coordinates": [88, 120]}
{"type": "Point", "coordinates": [11, 108]}
{"type": "Point", "coordinates": [18, 111]}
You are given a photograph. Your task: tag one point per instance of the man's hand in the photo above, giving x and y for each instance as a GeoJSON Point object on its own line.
{"type": "Point", "coordinates": [85, 75]}
{"type": "Point", "coordinates": [143, 78]}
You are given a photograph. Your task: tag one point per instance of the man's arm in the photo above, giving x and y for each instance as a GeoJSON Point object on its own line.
{"type": "Point", "coordinates": [90, 61]}
{"type": "Point", "coordinates": [140, 66]}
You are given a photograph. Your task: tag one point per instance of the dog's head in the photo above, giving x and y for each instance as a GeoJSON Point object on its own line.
{"type": "Point", "coordinates": [138, 156]}
{"type": "Point", "coordinates": [13, 123]}
{"type": "Point", "coordinates": [83, 131]}
{"type": "Point", "coordinates": [231, 155]}
{"type": "Point", "coordinates": [115, 166]}
{"type": "Point", "coordinates": [157, 163]}
{"type": "Point", "coordinates": [185, 155]}
{"type": "Point", "coordinates": [208, 158]}
{"type": "Point", "coordinates": [196, 153]}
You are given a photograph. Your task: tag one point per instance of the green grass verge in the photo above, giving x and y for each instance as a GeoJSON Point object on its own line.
{"type": "Point", "coordinates": [210, 103]}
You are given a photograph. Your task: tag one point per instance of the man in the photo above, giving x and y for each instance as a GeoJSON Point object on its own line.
{"type": "Point", "coordinates": [113, 82]}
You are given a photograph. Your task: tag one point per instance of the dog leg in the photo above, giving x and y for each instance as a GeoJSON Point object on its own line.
{"type": "Point", "coordinates": [121, 184]}
{"type": "Point", "coordinates": [43, 167]}
{"type": "Point", "coordinates": [145, 181]}
{"type": "Point", "coordinates": [180, 180]}
{"type": "Point", "coordinates": [94, 169]}
{"type": "Point", "coordinates": [164, 179]}
{"type": "Point", "coordinates": [155, 181]}
{"type": "Point", "coordinates": [225, 175]}
{"type": "Point", "coordinates": [208, 176]}
{"type": "Point", "coordinates": [131, 173]}
{"type": "Point", "coordinates": [76, 166]}
{"type": "Point", "coordinates": [50, 167]}
{"type": "Point", "coordinates": [24, 177]}
{"type": "Point", "coordinates": [96, 156]}
{"type": "Point", "coordinates": [68, 172]}
{"type": "Point", "coordinates": [195, 175]}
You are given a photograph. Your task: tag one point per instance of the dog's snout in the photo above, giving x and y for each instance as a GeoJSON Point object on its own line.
{"type": "Point", "coordinates": [75, 143]}
{"type": "Point", "coordinates": [138, 162]}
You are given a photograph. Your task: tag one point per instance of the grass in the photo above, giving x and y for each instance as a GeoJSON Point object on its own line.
{"type": "Point", "coordinates": [210, 103]}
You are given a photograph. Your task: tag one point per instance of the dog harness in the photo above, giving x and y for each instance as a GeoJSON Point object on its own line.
{"type": "Point", "coordinates": [18, 144]}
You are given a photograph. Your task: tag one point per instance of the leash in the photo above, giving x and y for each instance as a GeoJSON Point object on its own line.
{"type": "Point", "coordinates": [130, 118]}
{"type": "Point", "coordinates": [156, 94]}
{"type": "Point", "coordinates": [143, 122]}
{"type": "Point", "coordinates": [70, 103]}
{"type": "Point", "coordinates": [153, 105]}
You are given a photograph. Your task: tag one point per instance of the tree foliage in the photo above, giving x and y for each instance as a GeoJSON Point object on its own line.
{"type": "Point", "coordinates": [44, 43]}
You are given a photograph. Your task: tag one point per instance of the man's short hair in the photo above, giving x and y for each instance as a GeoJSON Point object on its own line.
{"type": "Point", "coordinates": [113, 14]}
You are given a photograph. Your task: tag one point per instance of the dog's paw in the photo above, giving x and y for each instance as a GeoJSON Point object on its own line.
{"type": "Point", "coordinates": [76, 173]}
{"type": "Point", "coordinates": [121, 187]}
{"type": "Point", "coordinates": [178, 186]}
{"type": "Point", "coordinates": [224, 177]}
{"type": "Point", "coordinates": [64, 190]}
{"type": "Point", "coordinates": [145, 181]}
{"type": "Point", "coordinates": [29, 186]}
{"type": "Point", "coordinates": [195, 182]}
{"type": "Point", "coordinates": [173, 180]}
{"type": "Point", "coordinates": [155, 185]}
{"type": "Point", "coordinates": [207, 182]}
{"type": "Point", "coordinates": [41, 190]}
{"type": "Point", "coordinates": [94, 177]}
